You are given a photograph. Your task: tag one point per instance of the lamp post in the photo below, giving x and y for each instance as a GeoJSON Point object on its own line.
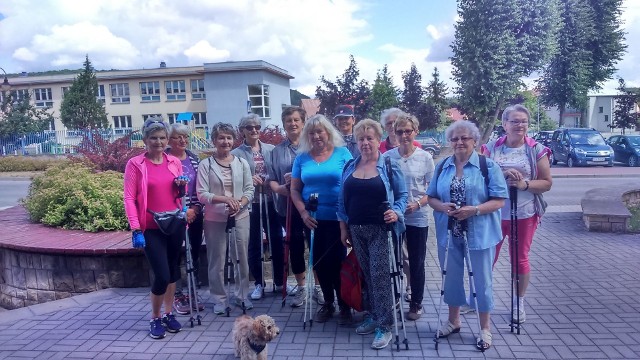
{"type": "Point", "coordinates": [5, 84]}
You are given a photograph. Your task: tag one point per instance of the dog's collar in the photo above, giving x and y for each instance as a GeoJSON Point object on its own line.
{"type": "Point", "coordinates": [257, 348]}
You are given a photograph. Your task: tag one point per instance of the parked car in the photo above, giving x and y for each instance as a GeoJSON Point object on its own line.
{"type": "Point", "coordinates": [626, 148]}
{"type": "Point", "coordinates": [429, 144]}
{"type": "Point", "coordinates": [580, 146]}
{"type": "Point", "coordinates": [544, 137]}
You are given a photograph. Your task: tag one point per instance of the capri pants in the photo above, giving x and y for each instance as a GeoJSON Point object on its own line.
{"type": "Point", "coordinates": [526, 229]}
{"type": "Point", "coordinates": [163, 254]}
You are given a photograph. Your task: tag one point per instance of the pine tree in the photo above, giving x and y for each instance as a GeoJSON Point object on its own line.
{"type": "Point", "coordinates": [437, 91]}
{"type": "Point", "coordinates": [414, 100]}
{"type": "Point", "coordinates": [80, 107]}
{"type": "Point", "coordinates": [624, 115]}
{"type": "Point", "coordinates": [347, 90]}
{"type": "Point", "coordinates": [384, 94]}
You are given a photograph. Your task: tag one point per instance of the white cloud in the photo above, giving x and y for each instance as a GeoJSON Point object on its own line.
{"type": "Point", "coordinates": [24, 54]}
{"type": "Point", "coordinates": [203, 52]}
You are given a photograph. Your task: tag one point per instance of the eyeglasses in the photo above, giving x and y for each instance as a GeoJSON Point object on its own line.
{"type": "Point", "coordinates": [405, 132]}
{"type": "Point", "coordinates": [253, 127]}
{"type": "Point", "coordinates": [463, 138]}
{"type": "Point", "coordinates": [516, 123]}
{"type": "Point", "coordinates": [179, 137]}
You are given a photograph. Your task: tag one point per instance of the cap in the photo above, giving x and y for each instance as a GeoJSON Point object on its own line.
{"type": "Point", "coordinates": [343, 110]}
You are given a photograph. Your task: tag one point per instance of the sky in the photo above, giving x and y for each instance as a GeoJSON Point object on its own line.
{"type": "Point", "coordinates": [308, 38]}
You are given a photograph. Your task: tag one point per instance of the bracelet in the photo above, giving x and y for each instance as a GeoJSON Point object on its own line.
{"type": "Point", "coordinates": [419, 205]}
{"type": "Point", "coordinates": [526, 187]}
{"type": "Point", "coordinates": [477, 211]}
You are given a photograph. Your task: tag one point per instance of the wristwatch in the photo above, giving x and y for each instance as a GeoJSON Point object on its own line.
{"type": "Point", "coordinates": [477, 211]}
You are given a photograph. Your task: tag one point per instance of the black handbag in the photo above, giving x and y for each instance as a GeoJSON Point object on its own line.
{"type": "Point", "coordinates": [170, 222]}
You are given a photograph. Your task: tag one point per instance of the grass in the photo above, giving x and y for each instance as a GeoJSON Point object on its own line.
{"type": "Point", "coordinates": [634, 222]}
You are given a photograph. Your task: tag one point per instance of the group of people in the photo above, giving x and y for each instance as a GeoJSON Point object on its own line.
{"type": "Point", "coordinates": [368, 189]}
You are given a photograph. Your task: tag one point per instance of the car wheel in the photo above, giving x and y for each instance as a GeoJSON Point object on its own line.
{"type": "Point", "coordinates": [570, 162]}
{"type": "Point", "coordinates": [553, 160]}
{"type": "Point", "coordinates": [633, 161]}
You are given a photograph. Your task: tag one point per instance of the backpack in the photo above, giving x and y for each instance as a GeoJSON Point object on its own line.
{"type": "Point", "coordinates": [351, 280]}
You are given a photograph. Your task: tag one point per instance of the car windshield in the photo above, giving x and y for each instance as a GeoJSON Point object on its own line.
{"type": "Point", "coordinates": [587, 138]}
{"type": "Point", "coordinates": [634, 140]}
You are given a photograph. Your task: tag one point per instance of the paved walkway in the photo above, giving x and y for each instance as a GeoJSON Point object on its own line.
{"type": "Point", "coordinates": [582, 303]}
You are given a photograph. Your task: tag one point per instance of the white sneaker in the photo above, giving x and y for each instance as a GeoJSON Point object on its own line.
{"type": "Point", "coordinates": [514, 317]}
{"type": "Point", "coordinates": [257, 292]}
{"type": "Point", "coordinates": [318, 295]}
{"type": "Point", "coordinates": [465, 309]}
{"type": "Point", "coordinates": [291, 290]}
{"type": "Point", "coordinates": [382, 339]}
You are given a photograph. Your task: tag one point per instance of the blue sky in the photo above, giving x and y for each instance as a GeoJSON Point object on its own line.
{"type": "Point", "coordinates": [308, 38]}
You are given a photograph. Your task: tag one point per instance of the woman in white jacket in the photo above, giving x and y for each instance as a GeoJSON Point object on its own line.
{"type": "Point", "coordinates": [225, 187]}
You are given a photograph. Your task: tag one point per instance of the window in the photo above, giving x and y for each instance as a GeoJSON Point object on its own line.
{"type": "Point", "coordinates": [122, 124]}
{"type": "Point", "coordinates": [65, 90]}
{"type": "Point", "coordinates": [175, 90]}
{"type": "Point", "coordinates": [43, 97]}
{"type": "Point", "coordinates": [146, 116]}
{"type": "Point", "coordinates": [19, 95]}
{"type": "Point", "coordinates": [606, 118]}
{"type": "Point", "coordinates": [101, 95]}
{"type": "Point", "coordinates": [120, 93]}
{"type": "Point", "coordinates": [197, 89]}
{"type": "Point", "coordinates": [259, 100]}
{"type": "Point", "coordinates": [172, 118]}
{"type": "Point", "coordinates": [150, 91]}
{"type": "Point", "coordinates": [601, 109]}
{"type": "Point", "coordinates": [200, 119]}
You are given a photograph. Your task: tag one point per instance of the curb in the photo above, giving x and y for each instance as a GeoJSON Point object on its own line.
{"type": "Point", "coordinates": [560, 176]}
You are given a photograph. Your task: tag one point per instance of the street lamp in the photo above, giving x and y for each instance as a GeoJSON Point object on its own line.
{"type": "Point", "coordinates": [5, 84]}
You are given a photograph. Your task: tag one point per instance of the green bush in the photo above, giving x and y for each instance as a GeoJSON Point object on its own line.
{"type": "Point", "coordinates": [27, 163]}
{"type": "Point", "coordinates": [72, 196]}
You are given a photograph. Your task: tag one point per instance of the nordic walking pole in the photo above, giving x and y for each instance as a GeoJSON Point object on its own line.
{"type": "Point", "coordinates": [472, 284]}
{"type": "Point", "coordinates": [231, 224]}
{"type": "Point", "coordinates": [287, 238]}
{"type": "Point", "coordinates": [268, 234]}
{"type": "Point", "coordinates": [191, 278]}
{"type": "Point", "coordinates": [312, 207]}
{"type": "Point", "coordinates": [237, 267]}
{"type": "Point", "coordinates": [513, 248]}
{"type": "Point", "coordinates": [444, 277]}
{"type": "Point", "coordinates": [260, 190]}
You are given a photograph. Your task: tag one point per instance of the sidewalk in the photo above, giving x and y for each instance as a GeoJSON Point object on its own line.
{"type": "Point", "coordinates": [582, 303]}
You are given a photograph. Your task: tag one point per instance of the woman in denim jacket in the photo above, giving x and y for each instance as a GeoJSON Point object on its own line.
{"type": "Point", "coordinates": [364, 224]}
{"type": "Point", "coordinates": [460, 193]}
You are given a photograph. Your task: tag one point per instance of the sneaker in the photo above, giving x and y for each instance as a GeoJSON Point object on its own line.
{"type": "Point", "coordinates": [291, 290]}
{"type": "Point", "coordinates": [382, 339]}
{"type": "Point", "coordinates": [257, 292]}
{"type": "Point", "coordinates": [318, 295]}
{"type": "Point", "coordinates": [514, 317]}
{"type": "Point", "coordinates": [219, 308]}
{"type": "Point", "coordinates": [345, 318]}
{"type": "Point", "coordinates": [415, 311]}
{"type": "Point", "coordinates": [368, 326]}
{"type": "Point", "coordinates": [465, 309]}
{"type": "Point", "coordinates": [235, 300]}
{"type": "Point", "coordinates": [299, 298]}
{"type": "Point", "coordinates": [156, 329]}
{"type": "Point", "coordinates": [407, 295]}
{"type": "Point", "coordinates": [200, 304]}
{"type": "Point", "coordinates": [181, 304]}
{"type": "Point", "coordinates": [324, 314]}
{"type": "Point", "coordinates": [170, 323]}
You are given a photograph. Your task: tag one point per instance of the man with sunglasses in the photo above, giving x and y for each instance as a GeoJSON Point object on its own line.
{"type": "Point", "coordinates": [344, 121]}
{"type": "Point", "coordinates": [258, 155]}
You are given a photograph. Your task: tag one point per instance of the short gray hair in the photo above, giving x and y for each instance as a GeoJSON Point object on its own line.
{"type": "Point", "coordinates": [153, 124]}
{"type": "Point", "coordinates": [515, 108]}
{"type": "Point", "coordinates": [223, 128]}
{"type": "Point", "coordinates": [407, 119]}
{"type": "Point", "coordinates": [179, 128]}
{"type": "Point", "coordinates": [249, 119]}
{"type": "Point", "coordinates": [387, 113]}
{"type": "Point", "coordinates": [365, 124]}
{"type": "Point", "coordinates": [335, 138]}
{"type": "Point", "coordinates": [467, 125]}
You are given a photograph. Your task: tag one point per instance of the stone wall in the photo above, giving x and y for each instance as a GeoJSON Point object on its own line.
{"type": "Point", "coordinates": [29, 278]}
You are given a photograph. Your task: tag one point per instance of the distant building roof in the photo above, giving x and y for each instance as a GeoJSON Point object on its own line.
{"type": "Point", "coordinates": [244, 66]}
{"type": "Point", "coordinates": [311, 106]}
{"type": "Point", "coordinates": [455, 114]}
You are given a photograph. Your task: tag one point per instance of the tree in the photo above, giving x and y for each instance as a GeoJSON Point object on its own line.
{"type": "Point", "coordinates": [80, 107]}
{"type": "Point", "coordinates": [413, 100]}
{"type": "Point", "coordinates": [590, 44]}
{"type": "Point", "coordinates": [496, 44]}
{"type": "Point", "coordinates": [384, 94]}
{"type": "Point", "coordinates": [347, 90]}
{"type": "Point", "coordinates": [21, 117]}
{"type": "Point", "coordinates": [437, 91]}
{"type": "Point", "coordinates": [296, 97]}
{"type": "Point", "coordinates": [624, 115]}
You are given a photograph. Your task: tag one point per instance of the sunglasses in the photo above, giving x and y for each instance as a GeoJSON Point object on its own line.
{"type": "Point", "coordinates": [404, 132]}
{"type": "Point", "coordinates": [463, 138]}
{"type": "Point", "coordinates": [252, 127]}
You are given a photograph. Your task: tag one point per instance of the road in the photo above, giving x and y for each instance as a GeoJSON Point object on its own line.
{"type": "Point", "coordinates": [11, 191]}
{"type": "Point", "coordinates": [569, 191]}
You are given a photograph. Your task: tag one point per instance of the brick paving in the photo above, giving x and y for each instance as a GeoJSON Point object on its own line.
{"type": "Point", "coordinates": [582, 304]}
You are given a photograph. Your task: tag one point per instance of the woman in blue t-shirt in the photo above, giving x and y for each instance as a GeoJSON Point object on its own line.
{"type": "Point", "coordinates": [318, 169]}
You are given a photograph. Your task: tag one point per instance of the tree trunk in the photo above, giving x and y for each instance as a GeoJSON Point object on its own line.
{"type": "Point", "coordinates": [561, 109]}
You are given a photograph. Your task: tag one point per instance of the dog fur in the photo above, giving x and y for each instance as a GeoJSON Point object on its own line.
{"type": "Point", "coordinates": [258, 331]}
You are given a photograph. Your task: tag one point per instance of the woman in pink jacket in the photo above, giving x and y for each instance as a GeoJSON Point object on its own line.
{"type": "Point", "coordinates": [151, 184]}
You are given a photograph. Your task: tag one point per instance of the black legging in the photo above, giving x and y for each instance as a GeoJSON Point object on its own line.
{"type": "Point", "coordinates": [416, 238]}
{"type": "Point", "coordinates": [163, 254]}
{"type": "Point", "coordinates": [255, 239]}
{"type": "Point", "coordinates": [296, 242]}
{"type": "Point", "coordinates": [328, 253]}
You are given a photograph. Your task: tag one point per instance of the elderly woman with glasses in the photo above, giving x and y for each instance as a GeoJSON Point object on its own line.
{"type": "Point", "coordinates": [151, 183]}
{"type": "Point", "coordinates": [318, 170]}
{"type": "Point", "coordinates": [466, 194]}
{"type": "Point", "coordinates": [225, 187]}
{"type": "Point", "coordinates": [178, 144]}
{"type": "Point", "coordinates": [258, 156]}
{"type": "Point", "coordinates": [525, 166]}
{"type": "Point", "coordinates": [417, 167]}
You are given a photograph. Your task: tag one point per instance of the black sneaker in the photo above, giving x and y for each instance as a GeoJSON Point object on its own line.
{"type": "Point", "coordinates": [325, 313]}
{"type": "Point", "coordinates": [156, 329]}
{"type": "Point", "coordinates": [170, 323]}
{"type": "Point", "coordinates": [345, 318]}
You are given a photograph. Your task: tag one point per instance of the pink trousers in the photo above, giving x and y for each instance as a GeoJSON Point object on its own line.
{"type": "Point", "coordinates": [526, 229]}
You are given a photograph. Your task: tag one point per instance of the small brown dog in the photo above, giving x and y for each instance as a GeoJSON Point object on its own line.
{"type": "Point", "coordinates": [250, 336]}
